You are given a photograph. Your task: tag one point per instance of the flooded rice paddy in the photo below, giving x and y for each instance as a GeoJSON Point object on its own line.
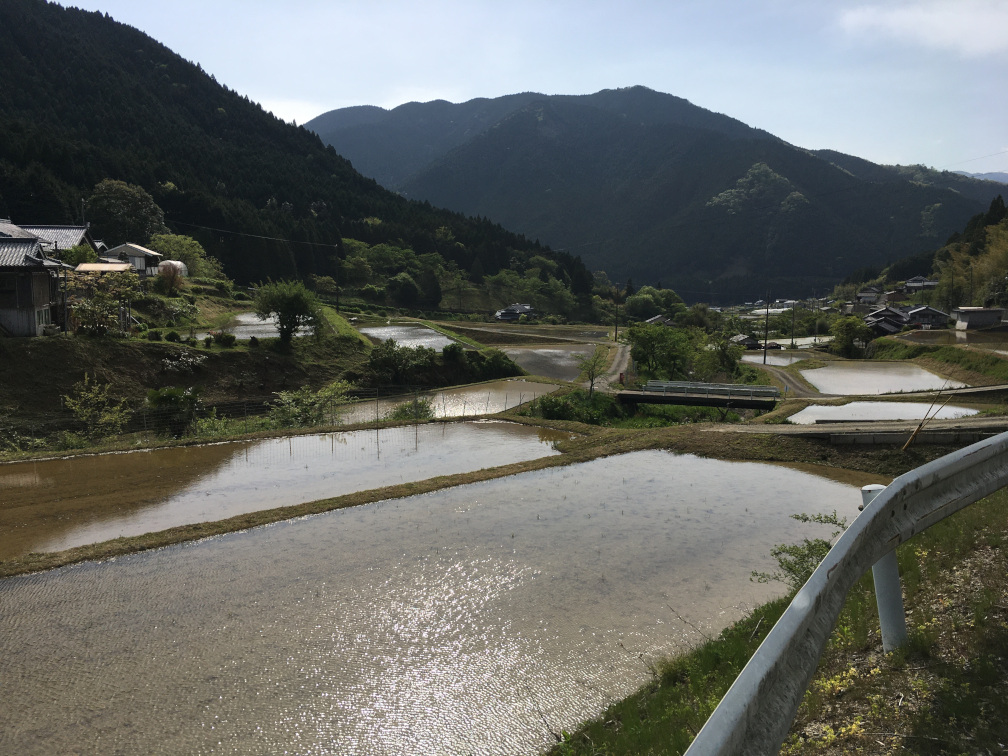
{"type": "Point", "coordinates": [409, 336]}
{"type": "Point", "coordinates": [247, 324]}
{"type": "Point", "coordinates": [560, 362]}
{"type": "Point", "coordinates": [994, 339]}
{"type": "Point", "coordinates": [464, 621]}
{"type": "Point", "coordinates": [853, 411]}
{"type": "Point", "coordinates": [854, 377]}
{"type": "Point", "coordinates": [779, 360]}
{"type": "Point", "coordinates": [461, 401]}
{"type": "Point", "coordinates": [57, 504]}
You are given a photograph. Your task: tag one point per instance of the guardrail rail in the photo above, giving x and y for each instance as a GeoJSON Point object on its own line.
{"type": "Point", "coordinates": [757, 711]}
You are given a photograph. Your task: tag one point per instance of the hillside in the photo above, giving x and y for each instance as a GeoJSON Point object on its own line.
{"type": "Point", "coordinates": [649, 187]}
{"type": "Point", "coordinates": [84, 98]}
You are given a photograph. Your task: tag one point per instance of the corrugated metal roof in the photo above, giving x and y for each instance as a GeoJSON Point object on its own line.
{"type": "Point", "coordinates": [116, 267]}
{"type": "Point", "coordinates": [132, 249]}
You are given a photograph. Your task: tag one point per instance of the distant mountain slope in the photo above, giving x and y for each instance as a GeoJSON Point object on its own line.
{"type": "Point", "coordinates": [84, 98]}
{"type": "Point", "coordinates": [649, 187]}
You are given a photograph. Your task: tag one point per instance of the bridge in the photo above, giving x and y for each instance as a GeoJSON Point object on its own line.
{"type": "Point", "coordinates": [688, 393]}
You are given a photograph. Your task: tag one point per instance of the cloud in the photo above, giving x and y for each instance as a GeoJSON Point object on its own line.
{"type": "Point", "coordinates": [970, 28]}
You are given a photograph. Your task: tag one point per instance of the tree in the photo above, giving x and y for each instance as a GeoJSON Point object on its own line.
{"type": "Point", "coordinates": [846, 332]}
{"type": "Point", "coordinates": [291, 304]}
{"type": "Point", "coordinates": [98, 300]}
{"type": "Point", "coordinates": [122, 212]}
{"type": "Point", "coordinates": [82, 253]}
{"type": "Point", "coordinates": [101, 414]}
{"type": "Point", "coordinates": [593, 366]}
{"type": "Point", "coordinates": [187, 250]}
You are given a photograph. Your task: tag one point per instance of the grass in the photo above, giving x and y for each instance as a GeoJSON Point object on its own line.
{"type": "Point", "coordinates": [975, 366]}
{"type": "Point", "coordinates": [945, 692]}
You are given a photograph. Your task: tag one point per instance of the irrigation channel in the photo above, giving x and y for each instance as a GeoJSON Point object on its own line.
{"type": "Point", "coordinates": [477, 619]}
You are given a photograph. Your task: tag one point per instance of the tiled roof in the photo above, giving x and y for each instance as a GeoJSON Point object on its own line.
{"type": "Point", "coordinates": [63, 237]}
{"type": "Point", "coordinates": [9, 230]}
{"type": "Point", "coordinates": [20, 252]}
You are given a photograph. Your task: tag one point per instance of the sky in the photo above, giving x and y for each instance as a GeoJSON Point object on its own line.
{"type": "Point", "coordinates": [894, 82]}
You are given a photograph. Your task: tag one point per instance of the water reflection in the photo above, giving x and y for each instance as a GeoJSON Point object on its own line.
{"type": "Point", "coordinates": [463, 401]}
{"type": "Point", "coordinates": [454, 622]}
{"type": "Point", "coordinates": [854, 377]}
{"type": "Point", "coordinates": [409, 336]}
{"type": "Point", "coordinates": [245, 325]}
{"type": "Point", "coordinates": [779, 360]}
{"type": "Point", "coordinates": [57, 504]}
{"type": "Point", "coordinates": [878, 411]}
{"type": "Point", "coordinates": [552, 362]}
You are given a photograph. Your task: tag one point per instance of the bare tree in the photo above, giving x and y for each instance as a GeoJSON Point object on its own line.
{"type": "Point", "coordinates": [593, 366]}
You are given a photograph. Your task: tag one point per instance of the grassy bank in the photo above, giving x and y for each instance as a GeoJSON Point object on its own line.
{"type": "Point", "coordinates": [945, 692]}
{"type": "Point", "coordinates": [972, 366]}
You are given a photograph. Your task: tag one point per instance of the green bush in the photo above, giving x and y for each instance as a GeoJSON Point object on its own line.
{"type": "Point", "coordinates": [225, 339]}
{"type": "Point", "coordinates": [154, 335]}
{"type": "Point", "coordinates": [100, 413]}
{"type": "Point", "coordinates": [173, 336]}
{"type": "Point", "coordinates": [416, 409]}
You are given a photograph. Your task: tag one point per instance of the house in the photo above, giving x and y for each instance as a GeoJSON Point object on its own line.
{"type": "Point", "coordinates": [918, 283]}
{"type": "Point", "coordinates": [927, 317]}
{"type": "Point", "coordinates": [56, 239]}
{"type": "Point", "coordinates": [513, 312]}
{"type": "Point", "coordinates": [29, 287]}
{"type": "Point", "coordinates": [144, 261]}
{"type": "Point", "coordinates": [886, 321]}
{"type": "Point", "coordinates": [745, 341]}
{"type": "Point", "coordinates": [968, 318]}
{"type": "Point", "coordinates": [868, 295]}
{"type": "Point", "coordinates": [659, 320]}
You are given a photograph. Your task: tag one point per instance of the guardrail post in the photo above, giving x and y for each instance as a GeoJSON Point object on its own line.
{"type": "Point", "coordinates": [888, 592]}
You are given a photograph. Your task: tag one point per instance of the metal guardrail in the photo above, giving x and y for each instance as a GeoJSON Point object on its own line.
{"type": "Point", "coordinates": [712, 389]}
{"type": "Point", "coordinates": [755, 714]}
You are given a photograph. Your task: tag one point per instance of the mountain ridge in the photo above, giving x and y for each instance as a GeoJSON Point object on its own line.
{"type": "Point", "coordinates": [629, 179]}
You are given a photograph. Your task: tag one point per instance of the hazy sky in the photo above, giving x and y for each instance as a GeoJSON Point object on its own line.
{"type": "Point", "coordinates": [890, 81]}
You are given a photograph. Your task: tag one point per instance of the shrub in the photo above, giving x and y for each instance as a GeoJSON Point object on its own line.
{"type": "Point", "coordinates": [253, 342]}
{"type": "Point", "coordinates": [154, 335]}
{"type": "Point", "coordinates": [307, 407]}
{"type": "Point", "coordinates": [173, 336]}
{"type": "Point", "coordinates": [100, 413]}
{"type": "Point", "coordinates": [224, 339]}
{"type": "Point", "coordinates": [208, 342]}
{"type": "Point", "coordinates": [174, 408]}
{"type": "Point", "coordinates": [416, 409]}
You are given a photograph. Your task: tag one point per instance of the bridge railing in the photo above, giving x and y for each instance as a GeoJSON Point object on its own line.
{"type": "Point", "coordinates": [757, 711]}
{"type": "Point", "coordinates": [712, 389]}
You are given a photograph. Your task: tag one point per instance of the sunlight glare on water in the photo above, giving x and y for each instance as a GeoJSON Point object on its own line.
{"type": "Point", "coordinates": [476, 619]}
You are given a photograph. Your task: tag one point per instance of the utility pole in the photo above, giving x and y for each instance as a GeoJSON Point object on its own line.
{"type": "Point", "coordinates": [766, 327]}
{"type": "Point", "coordinates": [794, 306]}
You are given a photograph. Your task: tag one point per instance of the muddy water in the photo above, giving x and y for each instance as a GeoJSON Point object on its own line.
{"type": "Point", "coordinates": [57, 504]}
{"type": "Point", "coordinates": [878, 411]}
{"type": "Point", "coordinates": [558, 362]}
{"type": "Point", "coordinates": [853, 377]}
{"type": "Point", "coordinates": [455, 622]}
{"type": "Point", "coordinates": [409, 336]}
{"type": "Point", "coordinates": [463, 401]}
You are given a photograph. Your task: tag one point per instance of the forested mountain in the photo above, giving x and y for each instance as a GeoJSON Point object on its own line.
{"type": "Point", "coordinates": [649, 187]}
{"type": "Point", "coordinates": [84, 98]}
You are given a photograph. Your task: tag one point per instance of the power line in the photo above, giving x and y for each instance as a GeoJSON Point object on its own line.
{"type": "Point", "coordinates": [252, 236]}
